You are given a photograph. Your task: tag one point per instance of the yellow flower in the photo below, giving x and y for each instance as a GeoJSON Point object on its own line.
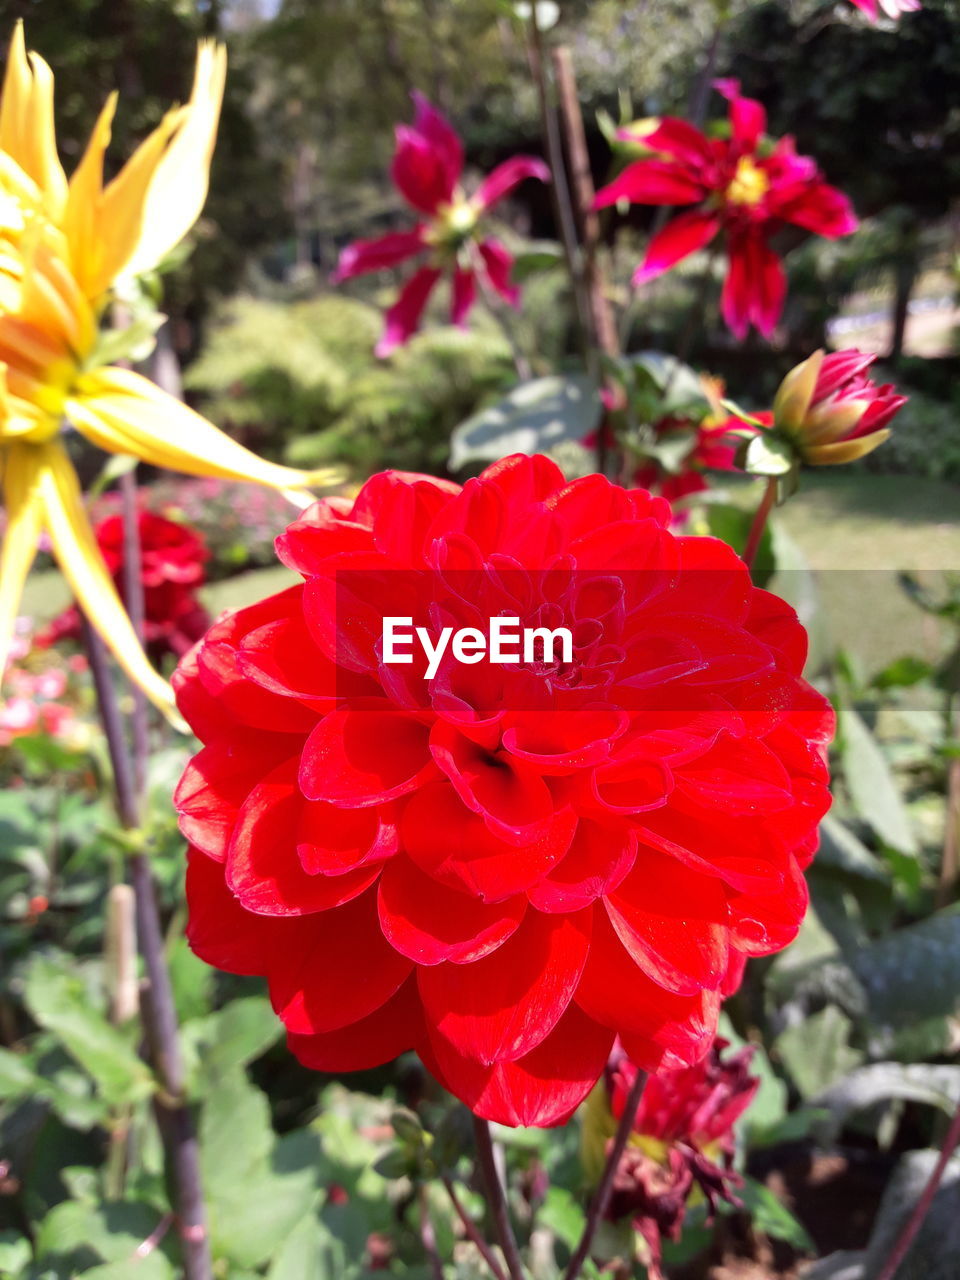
{"type": "Point", "coordinates": [63, 246]}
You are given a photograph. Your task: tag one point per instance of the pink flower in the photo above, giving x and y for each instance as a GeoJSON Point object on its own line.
{"type": "Point", "coordinates": [891, 8]}
{"type": "Point", "coordinates": [427, 167]}
{"type": "Point", "coordinates": [741, 186]}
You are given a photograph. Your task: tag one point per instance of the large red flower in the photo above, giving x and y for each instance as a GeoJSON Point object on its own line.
{"type": "Point", "coordinates": [172, 558]}
{"type": "Point", "coordinates": [743, 187]}
{"type": "Point", "coordinates": [427, 167]}
{"type": "Point", "coordinates": [508, 865]}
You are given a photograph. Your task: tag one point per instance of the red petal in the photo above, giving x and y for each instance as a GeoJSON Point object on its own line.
{"type": "Point", "coordinates": [599, 858]}
{"type": "Point", "coordinates": [455, 847]}
{"type": "Point", "coordinates": [681, 236]}
{"type": "Point", "coordinates": [221, 932]}
{"type": "Point", "coordinates": [375, 255]}
{"type": "Point", "coordinates": [382, 1036]}
{"type": "Point", "coordinates": [361, 758]}
{"type": "Point", "coordinates": [673, 922]}
{"type": "Point", "coordinates": [755, 287]}
{"type": "Point", "coordinates": [677, 138]}
{"type": "Point", "coordinates": [431, 923]}
{"type": "Point", "coordinates": [403, 318]}
{"type": "Point", "coordinates": [502, 1006]}
{"type": "Point", "coordinates": [463, 296]}
{"type": "Point", "coordinates": [422, 171]}
{"type": "Point", "coordinates": [341, 970]}
{"type": "Point", "coordinates": [502, 180]}
{"type": "Point", "coordinates": [498, 261]}
{"type": "Point", "coordinates": [653, 182]}
{"type": "Point", "coordinates": [331, 841]}
{"type": "Point", "coordinates": [543, 1088]}
{"type": "Point", "coordinates": [263, 867]}
{"type": "Point", "coordinates": [216, 782]}
{"type": "Point", "coordinates": [510, 795]}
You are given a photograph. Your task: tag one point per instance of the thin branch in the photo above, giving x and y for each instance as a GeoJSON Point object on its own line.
{"type": "Point", "coordinates": [601, 1197]}
{"type": "Point", "coordinates": [910, 1228]}
{"type": "Point", "coordinates": [473, 1234]}
{"type": "Point", "coordinates": [133, 599]}
{"type": "Point", "coordinates": [496, 1198]}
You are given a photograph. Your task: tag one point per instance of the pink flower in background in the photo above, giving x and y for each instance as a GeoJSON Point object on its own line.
{"type": "Point", "coordinates": [742, 186]}
{"type": "Point", "coordinates": [890, 8]}
{"type": "Point", "coordinates": [427, 167]}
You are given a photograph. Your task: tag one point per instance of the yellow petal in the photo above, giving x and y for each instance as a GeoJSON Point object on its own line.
{"type": "Point", "coordinates": [834, 455]}
{"type": "Point", "coordinates": [795, 393]}
{"type": "Point", "coordinates": [21, 499]}
{"type": "Point", "coordinates": [179, 186]}
{"type": "Point", "coordinates": [82, 222]}
{"type": "Point", "coordinates": [26, 121]}
{"type": "Point", "coordinates": [78, 555]}
{"type": "Point", "coordinates": [121, 412]}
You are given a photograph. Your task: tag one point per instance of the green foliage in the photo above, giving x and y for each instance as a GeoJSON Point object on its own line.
{"type": "Point", "coordinates": [302, 383]}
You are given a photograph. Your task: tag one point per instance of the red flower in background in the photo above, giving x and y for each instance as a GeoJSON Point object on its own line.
{"type": "Point", "coordinates": [427, 166]}
{"type": "Point", "coordinates": [682, 1145]}
{"type": "Point", "coordinates": [172, 568]}
{"type": "Point", "coordinates": [891, 8]}
{"type": "Point", "coordinates": [507, 866]}
{"type": "Point", "coordinates": [743, 188]}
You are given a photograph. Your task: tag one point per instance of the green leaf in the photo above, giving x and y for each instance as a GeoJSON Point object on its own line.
{"type": "Point", "coordinates": [732, 525]}
{"type": "Point", "coordinates": [872, 786]}
{"type": "Point", "coordinates": [537, 259]}
{"type": "Point", "coordinates": [308, 1253]}
{"type": "Point", "coordinates": [535, 417]}
{"type": "Point", "coordinates": [563, 1214]}
{"type": "Point", "coordinates": [60, 1003]}
{"type": "Point", "coordinates": [767, 455]}
{"type": "Point", "coordinates": [902, 673]}
{"type": "Point", "coordinates": [841, 849]}
{"type": "Point", "coordinates": [154, 1266]}
{"type": "Point", "coordinates": [772, 1217]}
{"type": "Point", "coordinates": [683, 389]}
{"type": "Point", "coordinates": [235, 1036]}
{"type": "Point", "coordinates": [934, 1085]}
{"type": "Point", "coordinates": [817, 1051]}
{"type": "Point", "coordinates": [17, 1077]}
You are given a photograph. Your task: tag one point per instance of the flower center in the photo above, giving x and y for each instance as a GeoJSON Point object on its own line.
{"type": "Point", "coordinates": [750, 184]}
{"type": "Point", "coordinates": [454, 224]}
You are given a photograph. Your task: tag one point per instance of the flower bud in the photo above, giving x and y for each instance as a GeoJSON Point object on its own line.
{"type": "Point", "coordinates": [831, 412]}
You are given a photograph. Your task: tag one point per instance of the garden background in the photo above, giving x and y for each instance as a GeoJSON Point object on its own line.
{"type": "Point", "coordinates": [855, 1025]}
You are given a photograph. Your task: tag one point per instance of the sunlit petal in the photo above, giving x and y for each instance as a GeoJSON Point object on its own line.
{"type": "Point", "coordinates": [26, 121]}
{"type": "Point", "coordinates": [22, 502]}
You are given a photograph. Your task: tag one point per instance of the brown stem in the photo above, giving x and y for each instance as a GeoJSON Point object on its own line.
{"type": "Point", "coordinates": [133, 599]}
{"type": "Point", "coordinates": [160, 1021]}
{"type": "Point", "coordinates": [601, 1197]}
{"type": "Point", "coordinates": [496, 1198]}
{"type": "Point", "coordinates": [563, 206]}
{"type": "Point", "coordinates": [470, 1227]}
{"type": "Point", "coordinates": [915, 1221]}
{"type": "Point", "coordinates": [583, 191]}
{"type": "Point", "coordinates": [759, 524]}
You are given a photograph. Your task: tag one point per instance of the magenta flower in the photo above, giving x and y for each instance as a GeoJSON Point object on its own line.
{"type": "Point", "coordinates": [426, 170]}
{"type": "Point", "coordinates": [890, 8]}
{"type": "Point", "coordinates": [742, 186]}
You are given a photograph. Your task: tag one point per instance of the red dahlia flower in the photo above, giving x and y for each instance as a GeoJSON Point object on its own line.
{"type": "Point", "coordinates": [427, 166]}
{"type": "Point", "coordinates": [172, 558]}
{"type": "Point", "coordinates": [682, 1145]}
{"type": "Point", "coordinates": [742, 187]}
{"type": "Point", "coordinates": [508, 865]}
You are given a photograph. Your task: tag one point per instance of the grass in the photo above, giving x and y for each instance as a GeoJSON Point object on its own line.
{"type": "Point", "coordinates": [854, 529]}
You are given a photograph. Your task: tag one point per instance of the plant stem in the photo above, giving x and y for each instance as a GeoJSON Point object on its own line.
{"type": "Point", "coordinates": [470, 1227]}
{"type": "Point", "coordinates": [759, 524]}
{"type": "Point", "coordinates": [601, 1197]}
{"type": "Point", "coordinates": [496, 1198]}
{"type": "Point", "coordinates": [427, 1234]}
{"type": "Point", "coordinates": [133, 599]}
{"type": "Point", "coordinates": [561, 191]}
{"type": "Point", "coordinates": [159, 1015]}
{"type": "Point", "coordinates": [910, 1228]}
